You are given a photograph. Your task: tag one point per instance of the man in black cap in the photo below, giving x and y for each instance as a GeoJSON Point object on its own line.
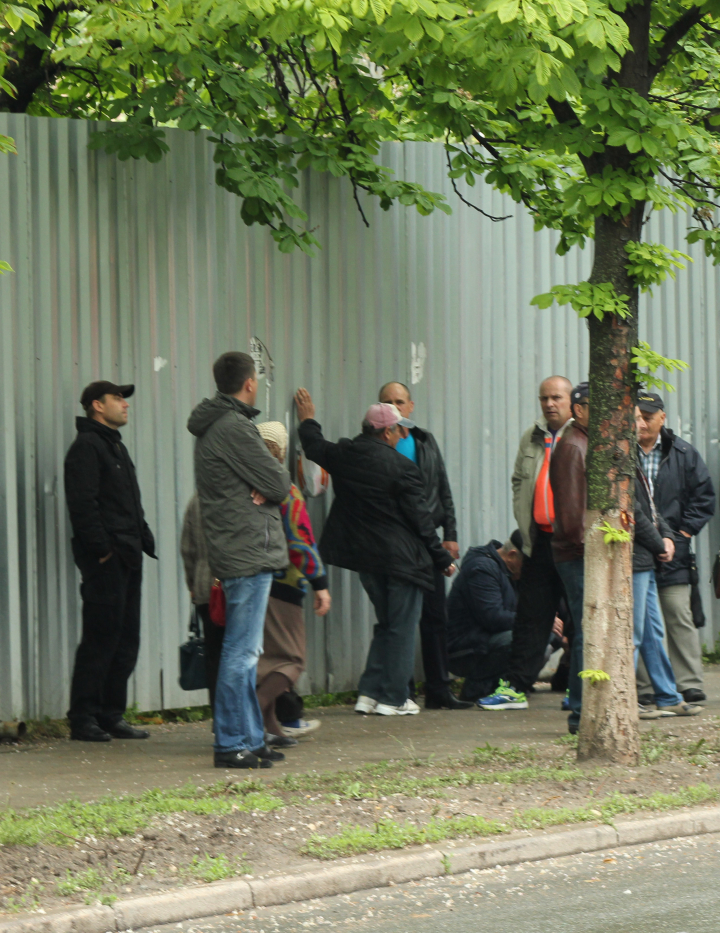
{"type": "Point", "coordinates": [110, 535]}
{"type": "Point", "coordinates": [684, 496]}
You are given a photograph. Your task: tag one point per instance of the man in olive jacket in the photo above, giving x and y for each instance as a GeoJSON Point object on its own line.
{"type": "Point", "coordinates": [110, 535]}
{"type": "Point", "coordinates": [240, 486]}
{"type": "Point", "coordinates": [380, 526]}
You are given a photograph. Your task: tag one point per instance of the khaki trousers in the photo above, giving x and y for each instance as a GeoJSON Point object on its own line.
{"type": "Point", "coordinates": [683, 642]}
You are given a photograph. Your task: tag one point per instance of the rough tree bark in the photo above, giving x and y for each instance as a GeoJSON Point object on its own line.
{"type": "Point", "coordinates": [609, 730]}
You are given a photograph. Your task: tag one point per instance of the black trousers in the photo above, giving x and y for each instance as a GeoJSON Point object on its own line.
{"type": "Point", "coordinates": [108, 650]}
{"type": "Point", "coordinates": [540, 592]}
{"type": "Point", "coordinates": [433, 637]}
{"type": "Point", "coordinates": [213, 635]}
{"type": "Point", "coordinates": [483, 669]}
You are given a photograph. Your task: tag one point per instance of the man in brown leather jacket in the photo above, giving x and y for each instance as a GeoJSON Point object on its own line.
{"type": "Point", "coordinates": [569, 486]}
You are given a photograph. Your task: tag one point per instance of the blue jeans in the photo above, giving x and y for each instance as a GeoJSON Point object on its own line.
{"type": "Point", "coordinates": [648, 631]}
{"type": "Point", "coordinates": [572, 574]}
{"type": "Point", "coordinates": [391, 659]}
{"type": "Point", "coordinates": [238, 722]}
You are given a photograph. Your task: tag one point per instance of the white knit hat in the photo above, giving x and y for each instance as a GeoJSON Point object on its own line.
{"type": "Point", "coordinates": [276, 432]}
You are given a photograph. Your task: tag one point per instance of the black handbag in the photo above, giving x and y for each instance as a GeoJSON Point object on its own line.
{"type": "Point", "coordinates": [192, 658]}
{"type": "Point", "coordinates": [696, 606]}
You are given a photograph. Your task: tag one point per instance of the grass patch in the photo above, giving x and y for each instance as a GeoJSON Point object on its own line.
{"type": "Point", "coordinates": [389, 834]}
{"type": "Point", "coordinates": [711, 655]}
{"type": "Point", "coordinates": [215, 868]}
{"type": "Point", "coordinates": [399, 777]}
{"type": "Point", "coordinates": [124, 816]}
{"type": "Point", "coordinates": [47, 728]}
{"type": "Point", "coordinates": [317, 700]}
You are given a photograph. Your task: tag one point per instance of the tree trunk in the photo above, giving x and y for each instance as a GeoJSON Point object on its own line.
{"type": "Point", "coordinates": [609, 723]}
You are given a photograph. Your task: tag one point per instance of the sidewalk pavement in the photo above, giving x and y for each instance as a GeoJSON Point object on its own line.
{"type": "Point", "coordinates": [32, 775]}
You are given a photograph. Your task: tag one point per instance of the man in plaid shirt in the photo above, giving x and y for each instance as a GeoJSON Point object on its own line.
{"type": "Point", "coordinates": [683, 494]}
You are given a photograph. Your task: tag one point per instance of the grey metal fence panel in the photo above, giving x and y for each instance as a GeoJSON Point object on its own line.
{"type": "Point", "coordinates": [144, 273]}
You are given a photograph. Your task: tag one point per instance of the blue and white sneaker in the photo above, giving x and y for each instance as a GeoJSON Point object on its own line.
{"type": "Point", "coordinates": [504, 698]}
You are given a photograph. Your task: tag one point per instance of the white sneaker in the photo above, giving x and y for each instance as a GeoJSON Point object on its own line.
{"type": "Point", "coordinates": [365, 705]}
{"type": "Point", "coordinates": [303, 727]}
{"type": "Point", "coordinates": [409, 708]}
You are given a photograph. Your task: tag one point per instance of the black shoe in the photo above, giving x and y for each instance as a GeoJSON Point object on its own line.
{"type": "Point", "coordinates": [89, 732]}
{"type": "Point", "coordinates": [265, 753]}
{"type": "Point", "coordinates": [123, 730]}
{"type": "Point", "coordinates": [241, 759]}
{"type": "Point", "coordinates": [279, 741]}
{"type": "Point", "coordinates": [647, 699]}
{"type": "Point", "coordinates": [445, 701]}
{"type": "Point", "coordinates": [573, 728]}
{"type": "Point", "coordinates": [693, 695]}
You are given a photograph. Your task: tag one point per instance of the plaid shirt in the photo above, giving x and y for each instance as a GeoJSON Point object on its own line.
{"type": "Point", "coordinates": [650, 463]}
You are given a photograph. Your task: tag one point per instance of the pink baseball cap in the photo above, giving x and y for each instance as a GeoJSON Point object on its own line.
{"type": "Point", "coordinates": [385, 415]}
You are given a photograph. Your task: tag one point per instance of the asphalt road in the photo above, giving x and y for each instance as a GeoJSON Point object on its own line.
{"type": "Point", "coordinates": [671, 887]}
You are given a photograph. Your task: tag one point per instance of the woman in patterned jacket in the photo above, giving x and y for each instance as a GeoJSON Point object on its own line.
{"type": "Point", "coordinates": [283, 658]}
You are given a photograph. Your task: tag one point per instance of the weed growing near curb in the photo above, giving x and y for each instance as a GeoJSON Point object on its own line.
{"type": "Point", "coordinates": [123, 816]}
{"type": "Point", "coordinates": [215, 867]}
{"type": "Point", "coordinates": [389, 834]}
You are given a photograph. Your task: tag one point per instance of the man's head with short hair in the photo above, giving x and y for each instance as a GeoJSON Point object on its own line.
{"type": "Point", "coordinates": [397, 394]}
{"type": "Point", "coordinates": [235, 375]}
{"type": "Point", "coordinates": [511, 554]}
{"type": "Point", "coordinates": [580, 402]}
{"type": "Point", "coordinates": [554, 396]}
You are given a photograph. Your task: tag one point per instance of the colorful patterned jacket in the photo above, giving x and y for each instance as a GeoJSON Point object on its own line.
{"type": "Point", "coordinates": [305, 564]}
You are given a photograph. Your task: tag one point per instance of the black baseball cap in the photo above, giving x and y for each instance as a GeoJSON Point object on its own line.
{"type": "Point", "coordinates": [581, 391]}
{"type": "Point", "coordinates": [650, 401]}
{"type": "Point", "coordinates": [97, 389]}
{"type": "Point", "coordinates": [516, 538]}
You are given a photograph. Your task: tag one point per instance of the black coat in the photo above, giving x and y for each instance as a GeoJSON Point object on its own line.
{"type": "Point", "coordinates": [648, 542]}
{"type": "Point", "coordinates": [437, 486]}
{"type": "Point", "coordinates": [379, 521]}
{"type": "Point", "coordinates": [482, 601]}
{"type": "Point", "coordinates": [685, 497]}
{"type": "Point", "coordinates": [103, 498]}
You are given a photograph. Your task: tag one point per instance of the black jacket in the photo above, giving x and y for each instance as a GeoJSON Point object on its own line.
{"type": "Point", "coordinates": [103, 498]}
{"type": "Point", "coordinates": [379, 521]}
{"type": "Point", "coordinates": [685, 497]}
{"type": "Point", "coordinates": [482, 601]}
{"type": "Point", "coordinates": [437, 487]}
{"type": "Point", "coordinates": [648, 541]}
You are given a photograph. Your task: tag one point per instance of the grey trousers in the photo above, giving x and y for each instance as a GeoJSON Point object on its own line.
{"type": "Point", "coordinates": [683, 642]}
{"type": "Point", "coordinates": [391, 659]}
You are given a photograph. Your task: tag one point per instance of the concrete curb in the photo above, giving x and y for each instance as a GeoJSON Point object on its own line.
{"type": "Point", "coordinates": [222, 897]}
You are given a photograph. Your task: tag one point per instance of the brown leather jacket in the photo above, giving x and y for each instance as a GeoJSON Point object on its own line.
{"type": "Point", "coordinates": [569, 486]}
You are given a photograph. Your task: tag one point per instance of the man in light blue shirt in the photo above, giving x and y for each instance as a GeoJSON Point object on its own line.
{"type": "Point", "coordinates": [421, 447]}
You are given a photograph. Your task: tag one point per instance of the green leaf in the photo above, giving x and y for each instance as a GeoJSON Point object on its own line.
{"type": "Point", "coordinates": [414, 30]}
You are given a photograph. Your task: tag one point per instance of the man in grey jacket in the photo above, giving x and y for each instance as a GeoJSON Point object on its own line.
{"type": "Point", "coordinates": [240, 486]}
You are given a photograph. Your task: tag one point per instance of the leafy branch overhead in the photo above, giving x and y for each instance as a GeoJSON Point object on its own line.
{"type": "Point", "coordinates": [533, 97]}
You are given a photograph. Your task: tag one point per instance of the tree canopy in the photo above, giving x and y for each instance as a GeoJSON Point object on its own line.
{"type": "Point", "coordinates": [576, 108]}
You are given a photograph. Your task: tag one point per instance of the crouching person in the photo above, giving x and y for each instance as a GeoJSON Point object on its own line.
{"type": "Point", "coordinates": [481, 613]}
{"type": "Point", "coordinates": [283, 658]}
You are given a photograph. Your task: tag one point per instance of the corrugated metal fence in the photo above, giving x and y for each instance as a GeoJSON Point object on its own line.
{"type": "Point", "coordinates": [144, 273]}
